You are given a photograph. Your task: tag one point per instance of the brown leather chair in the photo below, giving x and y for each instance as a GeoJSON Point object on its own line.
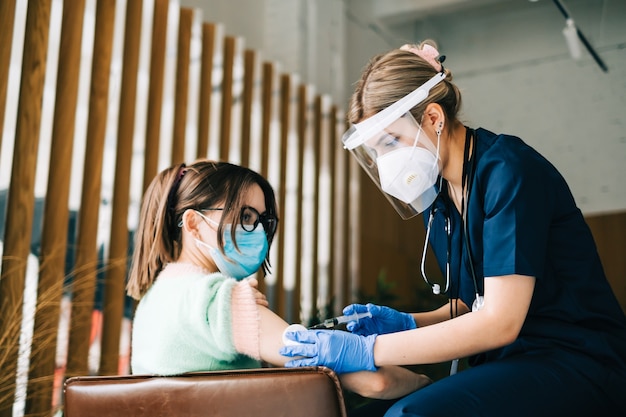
{"type": "Point", "coordinates": [310, 392]}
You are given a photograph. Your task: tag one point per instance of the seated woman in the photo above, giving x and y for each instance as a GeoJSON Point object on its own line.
{"type": "Point", "coordinates": [204, 229]}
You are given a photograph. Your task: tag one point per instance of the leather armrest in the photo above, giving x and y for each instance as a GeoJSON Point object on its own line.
{"type": "Point", "coordinates": [310, 392]}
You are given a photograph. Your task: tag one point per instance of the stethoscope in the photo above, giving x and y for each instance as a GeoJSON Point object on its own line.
{"type": "Point", "coordinates": [468, 173]}
{"type": "Point", "coordinates": [469, 164]}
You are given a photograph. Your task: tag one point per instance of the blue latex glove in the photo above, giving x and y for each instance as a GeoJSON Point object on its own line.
{"type": "Point", "coordinates": [384, 320]}
{"type": "Point", "coordinates": [341, 351]}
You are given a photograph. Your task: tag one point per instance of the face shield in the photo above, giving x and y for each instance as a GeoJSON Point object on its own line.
{"type": "Point", "coordinates": [396, 153]}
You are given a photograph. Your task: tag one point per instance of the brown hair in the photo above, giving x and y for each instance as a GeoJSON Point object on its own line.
{"type": "Point", "coordinates": [389, 77]}
{"type": "Point", "coordinates": [204, 184]}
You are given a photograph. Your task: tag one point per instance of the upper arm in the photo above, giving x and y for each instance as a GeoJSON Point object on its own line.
{"type": "Point", "coordinates": [507, 300]}
{"type": "Point", "coordinates": [271, 329]}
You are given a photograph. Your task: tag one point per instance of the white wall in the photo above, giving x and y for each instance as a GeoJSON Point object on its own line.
{"type": "Point", "coordinates": [306, 37]}
{"type": "Point", "coordinates": [518, 77]}
{"type": "Point", "coordinates": [510, 59]}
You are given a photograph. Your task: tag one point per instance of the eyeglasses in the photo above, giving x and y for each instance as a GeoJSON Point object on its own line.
{"type": "Point", "coordinates": [249, 218]}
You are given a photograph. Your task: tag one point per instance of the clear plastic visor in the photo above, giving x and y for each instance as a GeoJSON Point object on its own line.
{"type": "Point", "coordinates": [402, 161]}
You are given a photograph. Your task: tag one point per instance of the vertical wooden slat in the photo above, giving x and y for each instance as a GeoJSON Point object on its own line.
{"type": "Point", "coordinates": [56, 214]}
{"type": "Point", "coordinates": [7, 19]}
{"type": "Point", "coordinates": [334, 218]}
{"type": "Point", "coordinates": [20, 206]}
{"type": "Point", "coordinates": [301, 121]}
{"type": "Point", "coordinates": [267, 91]}
{"type": "Point", "coordinates": [285, 106]}
{"type": "Point", "coordinates": [84, 279]}
{"type": "Point", "coordinates": [344, 229]}
{"type": "Point", "coordinates": [227, 96]}
{"type": "Point", "coordinates": [182, 85]}
{"type": "Point", "coordinates": [267, 98]}
{"type": "Point", "coordinates": [317, 142]}
{"type": "Point", "coordinates": [248, 95]}
{"type": "Point", "coordinates": [206, 89]}
{"type": "Point", "coordinates": [341, 234]}
{"type": "Point", "coordinates": [354, 227]}
{"type": "Point", "coordinates": [115, 278]}
{"type": "Point", "coordinates": [324, 207]}
{"type": "Point", "coordinates": [155, 92]}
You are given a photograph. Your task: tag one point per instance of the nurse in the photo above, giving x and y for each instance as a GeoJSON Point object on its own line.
{"type": "Point", "coordinates": [528, 301]}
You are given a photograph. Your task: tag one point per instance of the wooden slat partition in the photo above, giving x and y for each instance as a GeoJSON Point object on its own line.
{"type": "Point", "coordinates": [248, 112]}
{"type": "Point", "coordinates": [21, 195]}
{"type": "Point", "coordinates": [56, 214]}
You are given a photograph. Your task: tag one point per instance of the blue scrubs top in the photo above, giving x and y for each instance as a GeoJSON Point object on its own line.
{"type": "Point", "coordinates": [522, 219]}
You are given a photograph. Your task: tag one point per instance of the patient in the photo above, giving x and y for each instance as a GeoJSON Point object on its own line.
{"type": "Point", "coordinates": [204, 229]}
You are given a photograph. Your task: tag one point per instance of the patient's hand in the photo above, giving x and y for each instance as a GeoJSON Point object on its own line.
{"type": "Point", "coordinates": [259, 297]}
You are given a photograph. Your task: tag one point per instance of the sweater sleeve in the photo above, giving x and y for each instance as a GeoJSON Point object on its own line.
{"type": "Point", "coordinates": [245, 320]}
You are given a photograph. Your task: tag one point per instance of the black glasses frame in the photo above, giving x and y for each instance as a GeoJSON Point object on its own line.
{"type": "Point", "coordinates": [268, 221]}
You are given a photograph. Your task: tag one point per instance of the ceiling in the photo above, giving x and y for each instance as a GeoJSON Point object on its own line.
{"type": "Point", "coordinates": [402, 11]}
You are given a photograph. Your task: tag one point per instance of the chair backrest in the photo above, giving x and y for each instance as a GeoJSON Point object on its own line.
{"type": "Point", "coordinates": [310, 392]}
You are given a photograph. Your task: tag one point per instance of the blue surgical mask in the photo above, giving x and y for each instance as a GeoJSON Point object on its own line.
{"type": "Point", "coordinates": [243, 262]}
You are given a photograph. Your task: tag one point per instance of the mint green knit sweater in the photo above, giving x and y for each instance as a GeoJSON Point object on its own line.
{"type": "Point", "coordinates": [187, 322]}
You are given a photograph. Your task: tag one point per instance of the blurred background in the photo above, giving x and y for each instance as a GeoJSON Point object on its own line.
{"type": "Point", "coordinates": [520, 65]}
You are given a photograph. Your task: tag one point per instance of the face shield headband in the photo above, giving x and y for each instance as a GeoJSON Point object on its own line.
{"type": "Point", "coordinates": [396, 154]}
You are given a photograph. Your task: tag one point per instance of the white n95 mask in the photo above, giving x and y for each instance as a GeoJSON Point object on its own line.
{"type": "Point", "coordinates": [407, 173]}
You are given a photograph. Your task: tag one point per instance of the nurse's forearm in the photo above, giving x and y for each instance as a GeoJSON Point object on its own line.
{"type": "Point", "coordinates": [497, 324]}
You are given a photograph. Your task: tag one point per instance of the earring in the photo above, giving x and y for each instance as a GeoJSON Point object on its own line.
{"type": "Point", "coordinates": [439, 130]}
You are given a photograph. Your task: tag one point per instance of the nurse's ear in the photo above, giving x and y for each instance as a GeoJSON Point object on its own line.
{"type": "Point", "coordinates": [434, 119]}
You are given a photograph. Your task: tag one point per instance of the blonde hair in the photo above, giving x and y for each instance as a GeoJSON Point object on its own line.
{"type": "Point", "coordinates": [204, 184]}
{"type": "Point", "coordinates": [389, 77]}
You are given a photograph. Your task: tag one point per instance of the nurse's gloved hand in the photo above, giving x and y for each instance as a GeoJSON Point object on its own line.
{"type": "Point", "coordinates": [341, 351]}
{"type": "Point", "coordinates": [384, 320]}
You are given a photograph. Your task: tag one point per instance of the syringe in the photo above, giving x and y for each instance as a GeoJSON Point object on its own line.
{"type": "Point", "coordinates": [332, 322]}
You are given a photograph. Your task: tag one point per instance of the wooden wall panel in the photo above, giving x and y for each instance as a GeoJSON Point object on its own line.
{"type": "Point", "coordinates": [249, 76]}
{"type": "Point", "coordinates": [84, 279]}
{"type": "Point", "coordinates": [609, 231]}
{"type": "Point", "coordinates": [155, 92]}
{"type": "Point", "coordinates": [56, 214]}
{"type": "Point", "coordinates": [115, 277]}
{"type": "Point", "coordinates": [206, 89]}
{"type": "Point", "coordinates": [182, 85]}
{"type": "Point", "coordinates": [230, 44]}
{"type": "Point", "coordinates": [20, 206]}
{"type": "Point", "coordinates": [281, 192]}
